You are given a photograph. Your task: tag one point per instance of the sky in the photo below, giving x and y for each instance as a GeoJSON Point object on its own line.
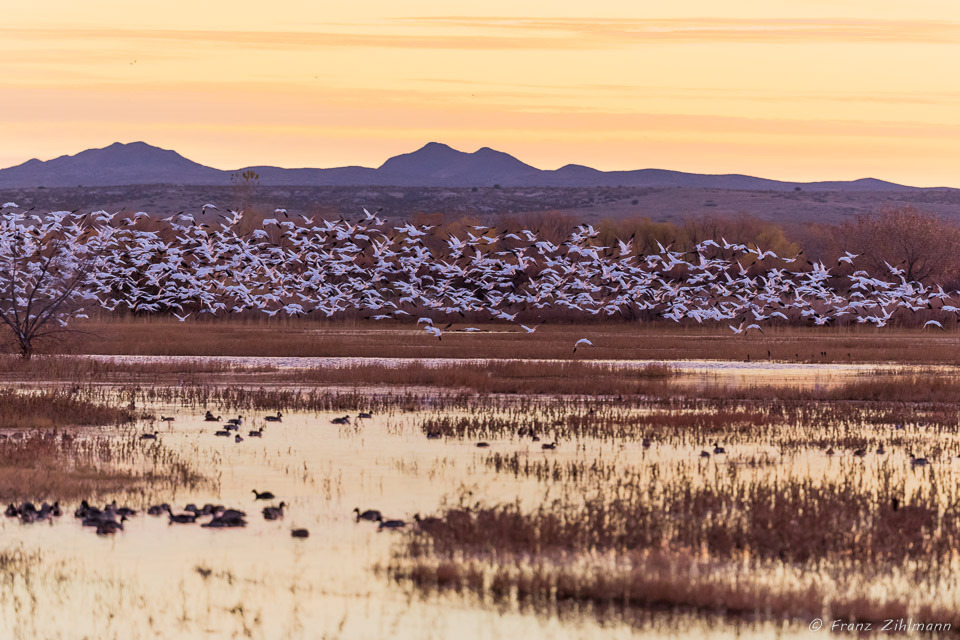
{"type": "Point", "coordinates": [792, 90]}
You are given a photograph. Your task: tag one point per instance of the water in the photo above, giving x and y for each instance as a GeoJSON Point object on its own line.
{"type": "Point", "coordinates": [160, 580]}
{"type": "Point", "coordinates": [147, 580]}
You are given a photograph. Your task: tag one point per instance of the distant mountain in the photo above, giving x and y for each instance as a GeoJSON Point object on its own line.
{"type": "Point", "coordinates": [439, 165]}
{"type": "Point", "coordinates": [434, 165]}
{"type": "Point", "coordinates": [134, 163]}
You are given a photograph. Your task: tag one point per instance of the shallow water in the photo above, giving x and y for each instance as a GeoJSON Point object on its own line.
{"type": "Point", "coordinates": [182, 581]}
{"type": "Point", "coordinates": [731, 372]}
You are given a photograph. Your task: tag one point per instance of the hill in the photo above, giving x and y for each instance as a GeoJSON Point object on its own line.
{"type": "Point", "coordinates": [433, 165]}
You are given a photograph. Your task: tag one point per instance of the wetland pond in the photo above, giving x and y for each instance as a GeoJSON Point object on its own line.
{"type": "Point", "coordinates": [635, 525]}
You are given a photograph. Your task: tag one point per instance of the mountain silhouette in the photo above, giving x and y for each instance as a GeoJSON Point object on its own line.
{"type": "Point", "coordinates": [437, 164]}
{"type": "Point", "coordinates": [433, 165]}
{"type": "Point", "coordinates": [118, 164]}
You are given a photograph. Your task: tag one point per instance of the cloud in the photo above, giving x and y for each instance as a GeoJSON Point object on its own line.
{"type": "Point", "coordinates": [298, 40]}
{"type": "Point", "coordinates": [403, 110]}
{"type": "Point", "coordinates": [491, 33]}
{"type": "Point", "coordinates": [713, 29]}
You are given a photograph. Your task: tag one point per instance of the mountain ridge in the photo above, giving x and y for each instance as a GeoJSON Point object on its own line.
{"type": "Point", "coordinates": [433, 165]}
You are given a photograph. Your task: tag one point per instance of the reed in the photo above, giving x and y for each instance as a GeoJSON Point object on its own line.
{"type": "Point", "coordinates": [627, 513]}
{"type": "Point", "coordinates": [55, 408]}
{"type": "Point", "coordinates": [63, 466]}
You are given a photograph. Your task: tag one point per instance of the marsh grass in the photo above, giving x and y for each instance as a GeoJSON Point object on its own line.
{"type": "Point", "coordinates": [800, 520]}
{"type": "Point", "coordinates": [48, 409]}
{"type": "Point", "coordinates": [83, 370]}
{"type": "Point", "coordinates": [513, 377]}
{"type": "Point", "coordinates": [626, 513]}
{"type": "Point", "coordinates": [795, 549]}
{"type": "Point", "coordinates": [59, 465]}
{"type": "Point", "coordinates": [661, 581]}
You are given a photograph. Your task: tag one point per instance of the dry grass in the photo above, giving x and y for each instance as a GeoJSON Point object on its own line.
{"type": "Point", "coordinates": [82, 370]}
{"type": "Point", "coordinates": [634, 542]}
{"type": "Point", "coordinates": [774, 528]}
{"type": "Point", "coordinates": [258, 336]}
{"type": "Point", "coordinates": [657, 580]}
{"type": "Point", "coordinates": [61, 466]}
{"type": "Point", "coordinates": [524, 378]}
{"type": "Point", "coordinates": [54, 408]}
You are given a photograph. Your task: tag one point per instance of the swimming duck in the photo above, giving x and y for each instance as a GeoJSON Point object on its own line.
{"type": "Point", "coordinates": [370, 514]}
{"type": "Point", "coordinates": [391, 524]}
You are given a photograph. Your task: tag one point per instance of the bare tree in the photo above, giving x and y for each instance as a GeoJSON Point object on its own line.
{"type": "Point", "coordinates": [244, 186]}
{"type": "Point", "coordinates": [920, 243]}
{"type": "Point", "coordinates": [48, 268]}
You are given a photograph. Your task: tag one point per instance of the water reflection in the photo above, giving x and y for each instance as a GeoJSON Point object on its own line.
{"type": "Point", "coordinates": [183, 581]}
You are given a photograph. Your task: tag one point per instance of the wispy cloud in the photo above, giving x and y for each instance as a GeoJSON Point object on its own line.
{"type": "Point", "coordinates": [491, 33]}
{"type": "Point", "coordinates": [711, 29]}
{"type": "Point", "coordinates": [381, 110]}
{"type": "Point", "coordinates": [301, 40]}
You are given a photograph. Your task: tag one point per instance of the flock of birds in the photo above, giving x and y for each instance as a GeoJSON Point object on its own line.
{"type": "Point", "coordinates": [303, 266]}
{"type": "Point", "coordinates": [110, 519]}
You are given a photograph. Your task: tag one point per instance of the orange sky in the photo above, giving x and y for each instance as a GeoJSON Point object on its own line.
{"type": "Point", "coordinates": [793, 90]}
